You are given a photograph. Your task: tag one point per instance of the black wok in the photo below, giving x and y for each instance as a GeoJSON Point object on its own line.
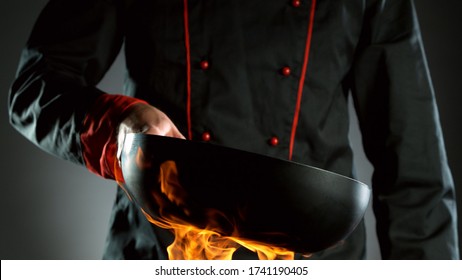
{"type": "Point", "coordinates": [285, 204]}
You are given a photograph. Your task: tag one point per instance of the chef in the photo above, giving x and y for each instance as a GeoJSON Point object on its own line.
{"type": "Point", "coordinates": [271, 77]}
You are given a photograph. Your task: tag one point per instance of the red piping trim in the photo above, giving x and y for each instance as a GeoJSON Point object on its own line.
{"type": "Point", "coordinates": [302, 78]}
{"type": "Point", "coordinates": [188, 67]}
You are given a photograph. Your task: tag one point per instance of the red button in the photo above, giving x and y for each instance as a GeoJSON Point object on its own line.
{"type": "Point", "coordinates": [285, 71]}
{"type": "Point", "coordinates": [296, 3]}
{"type": "Point", "coordinates": [204, 65]}
{"type": "Point", "coordinates": [274, 141]}
{"type": "Point", "coordinates": [206, 136]}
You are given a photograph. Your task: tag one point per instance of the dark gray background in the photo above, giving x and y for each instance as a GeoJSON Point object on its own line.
{"type": "Point", "coordinates": [52, 209]}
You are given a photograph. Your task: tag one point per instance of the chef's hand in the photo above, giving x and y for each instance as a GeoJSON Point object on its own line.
{"type": "Point", "coordinates": [144, 118]}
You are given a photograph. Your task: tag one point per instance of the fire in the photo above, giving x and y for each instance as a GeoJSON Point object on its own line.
{"type": "Point", "coordinates": [191, 242]}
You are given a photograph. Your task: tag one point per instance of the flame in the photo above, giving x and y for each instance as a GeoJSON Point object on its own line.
{"type": "Point", "coordinates": [191, 242]}
{"type": "Point", "coordinates": [265, 251]}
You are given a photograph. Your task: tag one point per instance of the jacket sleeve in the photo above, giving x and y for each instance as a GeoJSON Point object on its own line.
{"type": "Point", "coordinates": [71, 46]}
{"type": "Point", "coordinates": [413, 192]}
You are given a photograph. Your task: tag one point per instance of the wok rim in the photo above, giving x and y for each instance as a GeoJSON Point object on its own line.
{"type": "Point", "coordinates": [133, 136]}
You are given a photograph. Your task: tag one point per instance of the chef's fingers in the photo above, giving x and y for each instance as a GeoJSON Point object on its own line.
{"type": "Point", "coordinates": [164, 128]}
{"type": "Point", "coordinates": [174, 132]}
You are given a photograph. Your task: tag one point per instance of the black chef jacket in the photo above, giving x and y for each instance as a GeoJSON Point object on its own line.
{"type": "Point", "coordinates": [270, 77]}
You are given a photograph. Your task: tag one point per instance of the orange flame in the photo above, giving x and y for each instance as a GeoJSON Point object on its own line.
{"type": "Point", "coordinates": [191, 242]}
